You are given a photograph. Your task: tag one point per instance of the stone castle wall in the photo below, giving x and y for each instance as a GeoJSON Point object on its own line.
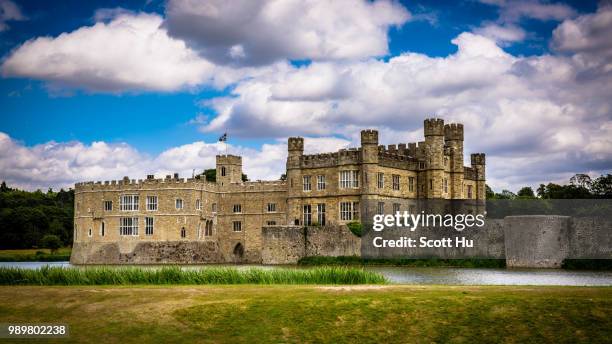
{"type": "Point", "coordinates": [286, 245]}
{"type": "Point", "coordinates": [222, 221]}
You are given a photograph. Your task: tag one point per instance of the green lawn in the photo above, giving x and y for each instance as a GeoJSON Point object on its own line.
{"type": "Point", "coordinates": [317, 314]}
{"type": "Point", "coordinates": [35, 254]}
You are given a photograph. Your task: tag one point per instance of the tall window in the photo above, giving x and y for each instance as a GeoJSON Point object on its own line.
{"type": "Point", "coordinates": [321, 182]}
{"type": "Point", "coordinates": [380, 180]}
{"type": "Point", "coordinates": [271, 207]}
{"type": "Point", "coordinates": [307, 185]}
{"type": "Point", "coordinates": [349, 211]}
{"type": "Point", "coordinates": [223, 171]}
{"type": "Point", "coordinates": [198, 204]}
{"type": "Point", "coordinates": [214, 207]}
{"type": "Point", "coordinates": [178, 203]}
{"type": "Point", "coordinates": [237, 208]}
{"type": "Point", "coordinates": [128, 226]}
{"type": "Point", "coordinates": [469, 191]}
{"type": "Point", "coordinates": [431, 184]}
{"type": "Point", "coordinates": [380, 209]}
{"type": "Point", "coordinates": [396, 182]}
{"type": "Point", "coordinates": [237, 226]}
{"type": "Point", "coordinates": [129, 202]}
{"type": "Point", "coordinates": [148, 226]}
{"type": "Point", "coordinates": [411, 184]}
{"type": "Point", "coordinates": [208, 229]}
{"type": "Point", "coordinates": [108, 205]}
{"type": "Point", "coordinates": [349, 179]}
{"type": "Point", "coordinates": [396, 208]}
{"type": "Point", "coordinates": [151, 203]}
{"type": "Point", "coordinates": [321, 214]}
{"type": "Point", "coordinates": [102, 229]}
{"type": "Point", "coordinates": [307, 215]}
{"type": "Point", "coordinates": [445, 185]}
{"type": "Point", "coordinates": [183, 233]}
{"type": "Point", "coordinates": [89, 233]}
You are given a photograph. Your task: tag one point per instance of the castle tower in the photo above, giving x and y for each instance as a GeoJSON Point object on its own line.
{"type": "Point", "coordinates": [295, 151]}
{"type": "Point", "coordinates": [369, 158]}
{"type": "Point", "coordinates": [478, 164]}
{"type": "Point", "coordinates": [229, 169]}
{"type": "Point", "coordinates": [453, 137]}
{"type": "Point", "coordinates": [434, 158]}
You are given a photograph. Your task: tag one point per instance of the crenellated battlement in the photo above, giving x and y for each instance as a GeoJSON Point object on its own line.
{"type": "Point", "coordinates": [453, 132]}
{"type": "Point", "coordinates": [477, 158]}
{"type": "Point", "coordinates": [433, 127]}
{"type": "Point", "coordinates": [369, 136]}
{"type": "Point", "coordinates": [134, 184]}
{"type": "Point", "coordinates": [295, 144]}
{"type": "Point", "coordinates": [228, 159]}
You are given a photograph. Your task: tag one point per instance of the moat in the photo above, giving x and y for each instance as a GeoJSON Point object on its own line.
{"type": "Point", "coordinates": [439, 276]}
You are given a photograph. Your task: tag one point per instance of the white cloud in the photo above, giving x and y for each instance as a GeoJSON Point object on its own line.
{"type": "Point", "coordinates": [260, 32]}
{"type": "Point", "coordinates": [502, 34]}
{"type": "Point", "coordinates": [61, 164]}
{"type": "Point", "coordinates": [542, 112]}
{"type": "Point", "coordinates": [512, 11]}
{"type": "Point", "coordinates": [9, 11]}
{"type": "Point", "coordinates": [587, 36]}
{"type": "Point", "coordinates": [505, 30]}
{"type": "Point", "coordinates": [129, 53]}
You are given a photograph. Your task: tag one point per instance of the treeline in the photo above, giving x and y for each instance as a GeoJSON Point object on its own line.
{"type": "Point", "coordinates": [580, 186]}
{"type": "Point", "coordinates": [27, 217]}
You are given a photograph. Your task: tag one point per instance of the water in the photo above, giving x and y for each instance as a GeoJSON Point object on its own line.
{"type": "Point", "coordinates": [443, 276]}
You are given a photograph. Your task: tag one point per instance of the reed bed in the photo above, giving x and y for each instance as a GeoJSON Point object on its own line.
{"type": "Point", "coordinates": [48, 276]}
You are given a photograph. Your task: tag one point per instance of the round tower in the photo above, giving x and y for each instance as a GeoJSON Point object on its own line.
{"type": "Point", "coordinates": [369, 159]}
{"type": "Point", "coordinates": [478, 164]}
{"type": "Point", "coordinates": [453, 137]}
{"type": "Point", "coordinates": [434, 159]}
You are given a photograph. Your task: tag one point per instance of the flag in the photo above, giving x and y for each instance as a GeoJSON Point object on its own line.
{"type": "Point", "coordinates": [223, 137]}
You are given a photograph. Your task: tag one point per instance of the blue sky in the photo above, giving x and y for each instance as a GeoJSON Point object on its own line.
{"type": "Point", "coordinates": [43, 105]}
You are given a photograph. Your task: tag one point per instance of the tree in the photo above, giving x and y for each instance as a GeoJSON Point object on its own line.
{"type": "Point", "coordinates": [3, 187]}
{"type": "Point", "coordinates": [283, 176]}
{"type": "Point", "coordinates": [581, 180]}
{"type": "Point", "coordinates": [210, 174]}
{"type": "Point", "coordinates": [245, 178]}
{"type": "Point", "coordinates": [51, 242]}
{"type": "Point", "coordinates": [526, 192]}
{"type": "Point", "coordinates": [490, 194]}
{"type": "Point", "coordinates": [602, 187]}
{"type": "Point", "coordinates": [506, 194]}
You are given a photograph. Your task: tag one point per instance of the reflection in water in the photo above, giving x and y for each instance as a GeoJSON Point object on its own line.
{"type": "Point", "coordinates": [445, 276]}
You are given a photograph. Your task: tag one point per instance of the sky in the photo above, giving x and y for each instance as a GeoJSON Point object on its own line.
{"type": "Point", "coordinates": [98, 90]}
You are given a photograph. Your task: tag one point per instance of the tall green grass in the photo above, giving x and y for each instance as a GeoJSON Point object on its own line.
{"type": "Point", "coordinates": [176, 275]}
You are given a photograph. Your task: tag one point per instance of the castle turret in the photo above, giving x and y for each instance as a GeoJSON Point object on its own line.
{"type": "Point", "coordinates": [229, 169]}
{"type": "Point", "coordinates": [478, 164]}
{"type": "Point", "coordinates": [453, 137]}
{"type": "Point", "coordinates": [369, 158]}
{"type": "Point", "coordinates": [434, 163]}
{"type": "Point", "coordinates": [295, 152]}
{"type": "Point", "coordinates": [295, 148]}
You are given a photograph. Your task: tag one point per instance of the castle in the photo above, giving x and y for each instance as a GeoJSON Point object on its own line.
{"type": "Point", "coordinates": [193, 220]}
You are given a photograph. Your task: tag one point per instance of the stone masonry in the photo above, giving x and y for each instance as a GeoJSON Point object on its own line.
{"type": "Point", "coordinates": [177, 220]}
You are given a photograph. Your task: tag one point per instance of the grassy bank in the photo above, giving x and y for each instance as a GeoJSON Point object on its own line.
{"type": "Point", "coordinates": [316, 314]}
{"type": "Point", "coordinates": [175, 275]}
{"type": "Point", "coordinates": [432, 262]}
{"type": "Point", "coordinates": [35, 255]}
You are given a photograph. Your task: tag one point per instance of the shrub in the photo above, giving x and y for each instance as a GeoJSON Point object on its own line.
{"type": "Point", "coordinates": [52, 242]}
{"type": "Point", "coordinates": [356, 228]}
